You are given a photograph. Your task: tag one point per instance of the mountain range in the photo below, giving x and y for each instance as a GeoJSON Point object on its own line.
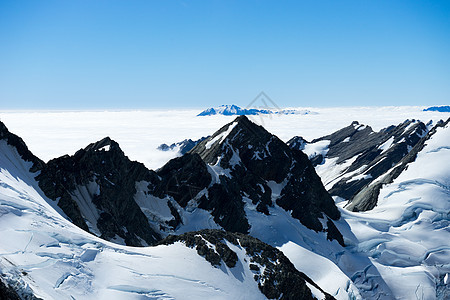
{"type": "Point", "coordinates": [234, 110]}
{"type": "Point", "coordinates": [238, 209]}
{"type": "Point", "coordinates": [443, 108]}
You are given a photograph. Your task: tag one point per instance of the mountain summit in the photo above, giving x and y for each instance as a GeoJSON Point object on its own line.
{"type": "Point", "coordinates": [255, 167]}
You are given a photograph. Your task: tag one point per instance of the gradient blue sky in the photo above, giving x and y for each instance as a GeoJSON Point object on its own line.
{"type": "Point", "coordinates": [98, 54]}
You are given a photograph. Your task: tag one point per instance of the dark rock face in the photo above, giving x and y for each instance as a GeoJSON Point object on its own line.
{"type": "Point", "coordinates": [246, 158]}
{"type": "Point", "coordinates": [277, 278]}
{"type": "Point", "coordinates": [367, 197]}
{"type": "Point", "coordinates": [7, 293]}
{"type": "Point", "coordinates": [371, 153]}
{"type": "Point", "coordinates": [297, 142]}
{"type": "Point", "coordinates": [14, 291]}
{"type": "Point", "coordinates": [184, 146]}
{"type": "Point", "coordinates": [21, 148]}
{"type": "Point", "coordinates": [100, 174]}
{"type": "Point", "coordinates": [182, 178]}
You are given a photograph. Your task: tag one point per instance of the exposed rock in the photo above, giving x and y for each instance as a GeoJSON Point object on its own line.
{"type": "Point", "coordinates": [21, 148]}
{"type": "Point", "coordinates": [100, 174]}
{"type": "Point", "coordinates": [367, 197]}
{"type": "Point", "coordinates": [183, 146]}
{"type": "Point", "coordinates": [297, 142]}
{"type": "Point", "coordinates": [366, 154]}
{"type": "Point", "coordinates": [246, 158]}
{"type": "Point", "coordinates": [7, 292]}
{"type": "Point", "coordinates": [182, 178]}
{"type": "Point", "coordinates": [12, 290]}
{"type": "Point", "coordinates": [276, 276]}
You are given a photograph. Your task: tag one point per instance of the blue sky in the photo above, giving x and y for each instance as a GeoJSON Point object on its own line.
{"type": "Point", "coordinates": [102, 54]}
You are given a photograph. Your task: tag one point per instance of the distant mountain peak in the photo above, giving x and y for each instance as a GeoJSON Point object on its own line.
{"type": "Point", "coordinates": [443, 108]}
{"type": "Point", "coordinates": [234, 110]}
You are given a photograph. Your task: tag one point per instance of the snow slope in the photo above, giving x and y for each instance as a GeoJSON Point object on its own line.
{"type": "Point", "coordinates": [407, 235]}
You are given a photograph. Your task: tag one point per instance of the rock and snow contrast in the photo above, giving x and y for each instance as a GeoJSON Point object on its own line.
{"type": "Point", "coordinates": [181, 147]}
{"type": "Point", "coordinates": [238, 215]}
{"type": "Point", "coordinates": [43, 255]}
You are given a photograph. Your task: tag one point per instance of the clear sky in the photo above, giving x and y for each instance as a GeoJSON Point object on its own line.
{"type": "Point", "coordinates": [106, 54]}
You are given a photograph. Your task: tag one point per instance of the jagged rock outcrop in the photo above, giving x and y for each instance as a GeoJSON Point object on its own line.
{"type": "Point", "coordinates": [276, 276]}
{"type": "Point", "coordinates": [7, 292]}
{"type": "Point", "coordinates": [297, 142]}
{"type": "Point", "coordinates": [361, 155]}
{"type": "Point", "coordinates": [11, 289]}
{"type": "Point", "coordinates": [367, 197]}
{"type": "Point", "coordinates": [21, 147]}
{"type": "Point", "coordinates": [95, 188]}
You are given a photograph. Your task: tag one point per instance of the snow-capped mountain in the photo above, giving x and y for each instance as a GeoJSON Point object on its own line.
{"type": "Point", "coordinates": [234, 110]}
{"type": "Point", "coordinates": [443, 108]}
{"type": "Point", "coordinates": [252, 166]}
{"type": "Point", "coordinates": [96, 188]}
{"type": "Point", "coordinates": [181, 147]}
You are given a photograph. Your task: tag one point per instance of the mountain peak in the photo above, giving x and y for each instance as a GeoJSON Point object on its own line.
{"type": "Point", "coordinates": [240, 133]}
{"type": "Point", "coordinates": [232, 110]}
{"type": "Point", "coordinates": [104, 144]}
{"type": "Point", "coordinates": [245, 155]}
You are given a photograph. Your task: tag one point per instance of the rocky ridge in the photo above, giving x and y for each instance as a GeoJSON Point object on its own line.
{"type": "Point", "coordinates": [367, 197]}
{"type": "Point", "coordinates": [103, 192]}
{"type": "Point", "coordinates": [277, 278]}
{"type": "Point", "coordinates": [359, 155]}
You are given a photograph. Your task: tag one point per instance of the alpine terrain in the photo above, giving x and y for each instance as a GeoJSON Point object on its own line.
{"type": "Point", "coordinates": [240, 214]}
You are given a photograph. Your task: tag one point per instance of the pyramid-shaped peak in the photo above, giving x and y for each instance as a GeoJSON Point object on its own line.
{"type": "Point", "coordinates": [242, 125]}
{"type": "Point", "coordinates": [241, 135]}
